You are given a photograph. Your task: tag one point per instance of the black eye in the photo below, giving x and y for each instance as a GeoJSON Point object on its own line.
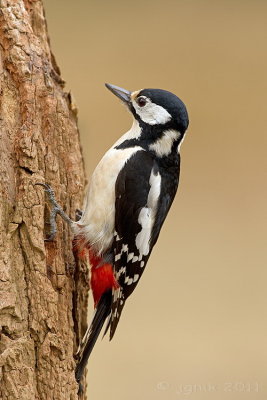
{"type": "Point", "coordinates": [141, 101]}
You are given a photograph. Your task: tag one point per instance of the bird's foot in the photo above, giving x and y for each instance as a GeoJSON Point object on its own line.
{"type": "Point", "coordinates": [56, 209]}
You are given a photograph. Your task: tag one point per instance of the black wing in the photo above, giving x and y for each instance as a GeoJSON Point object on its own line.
{"type": "Point", "coordinates": [132, 190]}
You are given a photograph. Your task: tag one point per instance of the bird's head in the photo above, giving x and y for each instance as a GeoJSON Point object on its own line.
{"type": "Point", "coordinates": [154, 107]}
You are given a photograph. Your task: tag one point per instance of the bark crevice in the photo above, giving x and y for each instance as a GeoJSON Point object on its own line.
{"type": "Point", "coordinates": [43, 289]}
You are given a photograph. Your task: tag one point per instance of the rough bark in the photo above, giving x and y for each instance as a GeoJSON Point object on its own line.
{"type": "Point", "coordinates": [43, 292]}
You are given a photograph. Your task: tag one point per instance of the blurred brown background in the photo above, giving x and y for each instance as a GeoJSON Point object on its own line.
{"type": "Point", "coordinates": [196, 327]}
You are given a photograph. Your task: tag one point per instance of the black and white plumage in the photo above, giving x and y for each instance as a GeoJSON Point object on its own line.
{"type": "Point", "coordinates": [129, 196]}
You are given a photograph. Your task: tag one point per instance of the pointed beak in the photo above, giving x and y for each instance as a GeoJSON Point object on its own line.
{"type": "Point", "coordinates": [121, 93]}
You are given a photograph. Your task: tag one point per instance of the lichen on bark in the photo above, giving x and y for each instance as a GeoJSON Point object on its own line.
{"type": "Point", "coordinates": [43, 290]}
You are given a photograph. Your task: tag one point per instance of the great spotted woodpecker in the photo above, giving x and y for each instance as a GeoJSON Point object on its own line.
{"type": "Point", "coordinates": [129, 197]}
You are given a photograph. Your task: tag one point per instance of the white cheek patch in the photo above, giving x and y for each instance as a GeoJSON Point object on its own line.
{"type": "Point", "coordinates": [163, 146]}
{"type": "Point", "coordinates": [147, 215]}
{"type": "Point", "coordinates": [152, 113]}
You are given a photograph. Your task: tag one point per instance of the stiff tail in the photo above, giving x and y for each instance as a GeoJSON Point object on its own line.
{"type": "Point", "coordinates": [101, 313]}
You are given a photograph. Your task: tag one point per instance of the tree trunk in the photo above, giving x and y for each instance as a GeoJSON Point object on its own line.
{"type": "Point", "coordinates": [43, 291]}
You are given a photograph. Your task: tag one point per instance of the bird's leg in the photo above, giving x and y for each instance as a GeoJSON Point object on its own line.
{"type": "Point", "coordinates": [56, 209]}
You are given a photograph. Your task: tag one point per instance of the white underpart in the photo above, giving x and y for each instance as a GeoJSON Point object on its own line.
{"type": "Point", "coordinates": [152, 113]}
{"type": "Point", "coordinates": [163, 145]}
{"type": "Point", "coordinates": [98, 219]}
{"type": "Point", "coordinates": [147, 215]}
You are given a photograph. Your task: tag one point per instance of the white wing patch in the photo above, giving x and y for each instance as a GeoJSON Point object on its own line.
{"type": "Point", "coordinates": [146, 219]}
{"type": "Point", "coordinates": [147, 214]}
{"type": "Point", "coordinates": [142, 238]}
{"type": "Point", "coordinates": [163, 146]}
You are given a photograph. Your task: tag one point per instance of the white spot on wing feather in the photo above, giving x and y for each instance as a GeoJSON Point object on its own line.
{"type": "Point", "coordinates": [130, 257]}
{"type": "Point", "coordinates": [124, 248]}
{"type": "Point", "coordinates": [122, 270]}
{"type": "Point", "coordinates": [117, 257]}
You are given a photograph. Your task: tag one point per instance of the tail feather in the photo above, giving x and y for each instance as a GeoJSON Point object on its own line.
{"type": "Point", "coordinates": [102, 312]}
{"type": "Point", "coordinates": [107, 326]}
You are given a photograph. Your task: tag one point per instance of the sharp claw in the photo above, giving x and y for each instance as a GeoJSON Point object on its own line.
{"type": "Point", "coordinates": [51, 195]}
{"type": "Point", "coordinates": [46, 186]}
{"type": "Point", "coordinates": [51, 238]}
{"type": "Point", "coordinates": [56, 209]}
{"type": "Point", "coordinates": [78, 215]}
